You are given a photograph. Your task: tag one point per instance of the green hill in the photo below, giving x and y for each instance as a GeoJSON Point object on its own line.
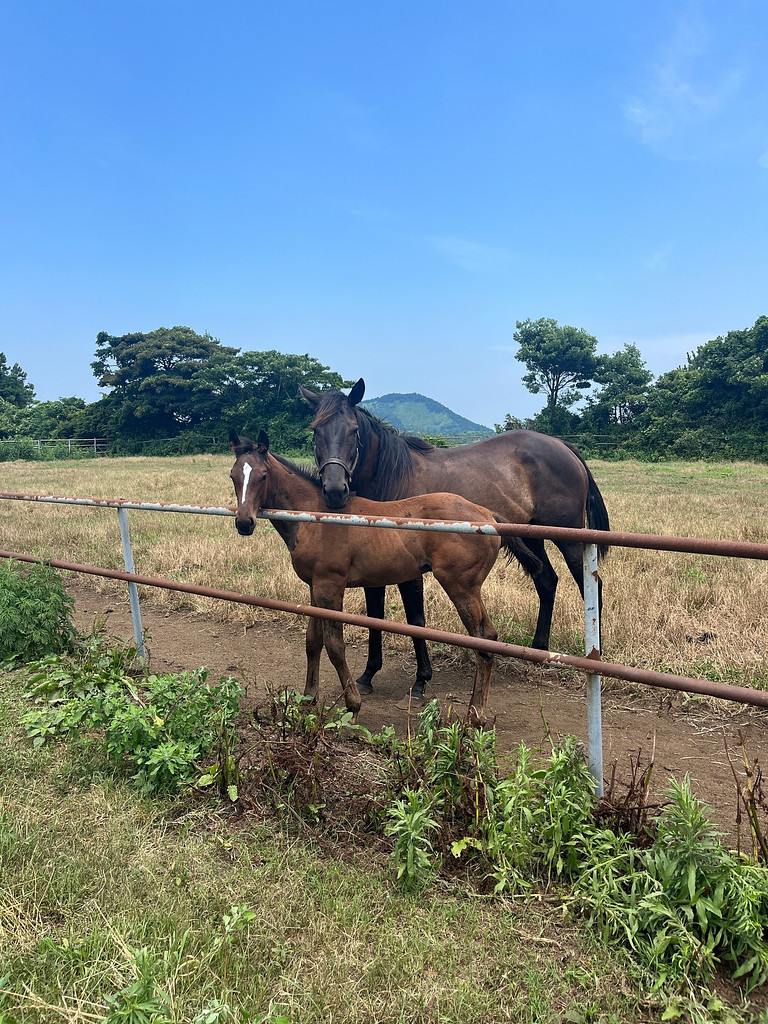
{"type": "Point", "coordinates": [416, 414]}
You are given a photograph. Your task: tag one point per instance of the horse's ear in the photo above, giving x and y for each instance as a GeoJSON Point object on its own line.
{"type": "Point", "coordinates": [234, 439]}
{"type": "Point", "coordinates": [309, 396]}
{"type": "Point", "coordinates": [262, 443]}
{"type": "Point", "coordinates": [357, 392]}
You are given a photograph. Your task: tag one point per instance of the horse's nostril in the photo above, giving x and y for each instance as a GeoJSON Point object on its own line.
{"type": "Point", "coordinates": [335, 497]}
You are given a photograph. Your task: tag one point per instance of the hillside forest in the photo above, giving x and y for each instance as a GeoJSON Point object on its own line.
{"type": "Point", "coordinates": [175, 391]}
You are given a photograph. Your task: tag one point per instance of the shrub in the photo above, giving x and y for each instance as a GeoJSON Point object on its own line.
{"type": "Point", "coordinates": [35, 612]}
{"type": "Point", "coordinates": [157, 727]}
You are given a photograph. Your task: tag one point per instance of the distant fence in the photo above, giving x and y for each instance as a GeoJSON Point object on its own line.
{"type": "Point", "coordinates": [72, 444]}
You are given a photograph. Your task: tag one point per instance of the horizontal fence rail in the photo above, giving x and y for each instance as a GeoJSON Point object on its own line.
{"type": "Point", "coordinates": [612, 538]}
{"type": "Point", "coordinates": [592, 665]}
{"type": "Point", "coordinates": [706, 687]}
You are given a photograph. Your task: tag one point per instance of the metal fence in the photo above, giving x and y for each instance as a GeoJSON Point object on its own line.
{"type": "Point", "coordinates": [591, 664]}
{"type": "Point", "coordinates": [72, 444]}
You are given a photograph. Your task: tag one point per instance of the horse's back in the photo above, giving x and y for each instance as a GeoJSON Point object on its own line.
{"type": "Point", "coordinates": [521, 475]}
{"type": "Point", "coordinates": [430, 505]}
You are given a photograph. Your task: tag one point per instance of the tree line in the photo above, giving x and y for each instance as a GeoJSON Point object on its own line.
{"type": "Point", "coordinates": [173, 383]}
{"type": "Point", "coordinates": [715, 406]}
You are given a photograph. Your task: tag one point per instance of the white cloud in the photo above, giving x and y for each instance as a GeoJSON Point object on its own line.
{"type": "Point", "coordinates": [686, 88]}
{"type": "Point", "coordinates": [763, 160]}
{"type": "Point", "coordinates": [472, 256]}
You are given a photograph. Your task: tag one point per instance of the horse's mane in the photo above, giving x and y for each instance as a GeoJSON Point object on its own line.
{"type": "Point", "coordinates": [395, 466]}
{"type": "Point", "coordinates": [305, 470]}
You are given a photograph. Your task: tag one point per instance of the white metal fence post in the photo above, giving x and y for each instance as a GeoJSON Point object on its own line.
{"type": "Point", "coordinates": [133, 590]}
{"type": "Point", "coordinates": [592, 641]}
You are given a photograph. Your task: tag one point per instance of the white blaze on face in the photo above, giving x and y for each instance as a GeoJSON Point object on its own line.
{"type": "Point", "coordinates": [246, 475]}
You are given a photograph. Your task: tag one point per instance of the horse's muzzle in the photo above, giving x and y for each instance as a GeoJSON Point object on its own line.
{"type": "Point", "coordinates": [336, 497]}
{"type": "Point", "coordinates": [245, 527]}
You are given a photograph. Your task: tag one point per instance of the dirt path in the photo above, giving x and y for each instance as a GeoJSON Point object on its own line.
{"type": "Point", "coordinates": [687, 734]}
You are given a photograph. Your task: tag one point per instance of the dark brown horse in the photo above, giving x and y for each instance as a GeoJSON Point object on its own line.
{"type": "Point", "coordinates": [331, 558]}
{"type": "Point", "coordinates": [524, 476]}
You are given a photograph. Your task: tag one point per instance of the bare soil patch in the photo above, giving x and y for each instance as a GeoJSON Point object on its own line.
{"type": "Point", "coordinates": [683, 734]}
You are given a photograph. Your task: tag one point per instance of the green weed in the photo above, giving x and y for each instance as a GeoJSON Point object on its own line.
{"type": "Point", "coordinates": [35, 612]}
{"type": "Point", "coordinates": [154, 727]}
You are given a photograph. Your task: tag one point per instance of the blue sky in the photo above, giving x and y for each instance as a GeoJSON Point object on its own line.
{"type": "Point", "coordinates": [388, 186]}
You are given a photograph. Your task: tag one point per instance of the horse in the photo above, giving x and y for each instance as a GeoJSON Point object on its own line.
{"type": "Point", "coordinates": [332, 558]}
{"type": "Point", "coordinates": [524, 476]}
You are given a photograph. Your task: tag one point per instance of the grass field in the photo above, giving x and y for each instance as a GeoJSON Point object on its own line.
{"type": "Point", "coordinates": [92, 875]}
{"type": "Point", "coordinates": [693, 614]}
{"type": "Point", "coordinates": [108, 898]}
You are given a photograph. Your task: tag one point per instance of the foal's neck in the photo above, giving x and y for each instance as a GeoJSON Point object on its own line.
{"type": "Point", "coordinates": [290, 490]}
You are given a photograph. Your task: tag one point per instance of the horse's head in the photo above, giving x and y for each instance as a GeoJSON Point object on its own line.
{"type": "Point", "coordinates": [249, 478]}
{"type": "Point", "coordinates": [336, 435]}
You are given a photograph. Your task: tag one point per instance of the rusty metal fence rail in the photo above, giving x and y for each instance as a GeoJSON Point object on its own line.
{"type": "Point", "coordinates": [590, 539]}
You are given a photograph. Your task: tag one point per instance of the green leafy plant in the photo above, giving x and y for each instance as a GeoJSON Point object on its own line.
{"type": "Point", "coordinates": [139, 1002]}
{"type": "Point", "coordinates": [681, 904]}
{"type": "Point", "coordinates": [411, 824]}
{"type": "Point", "coordinates": [35, 612]}
{"type": "Point", "coordinates": [156, 726]}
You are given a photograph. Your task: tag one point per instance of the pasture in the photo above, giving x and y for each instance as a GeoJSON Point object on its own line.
{"type": "Point", "coordinates": [105, 890]}
{"type": "Point", "coordinates": [691, 614]}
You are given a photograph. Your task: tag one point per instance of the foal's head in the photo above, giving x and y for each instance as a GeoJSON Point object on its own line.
{"type": "Point", "coordinates": [337, 442]}
{"type": "Point", "coordinates": [249, 478]}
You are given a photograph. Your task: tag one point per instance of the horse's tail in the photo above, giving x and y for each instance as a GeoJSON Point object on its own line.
{"type": "Point", "coordinates": [597, 513]}
{"type": "Point", "coordinates": [515, 547]}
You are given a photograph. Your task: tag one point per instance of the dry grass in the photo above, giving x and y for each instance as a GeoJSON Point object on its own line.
{"type": "Point", "coordinates": [684, 613]}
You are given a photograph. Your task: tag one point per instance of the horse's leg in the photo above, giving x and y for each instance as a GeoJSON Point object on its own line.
{"type": "Point", "coordinates": [546, 585]}
{"type": "Point", "coordinates": [314, 647]}
{"type": "Point", "coordinates": [329, 595]}
{"type": "Point", "coordinates": [374, 608]}
{"type": "Point", "coordinates": [412, 594]}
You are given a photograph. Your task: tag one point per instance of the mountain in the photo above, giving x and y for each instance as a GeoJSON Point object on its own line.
{"type": "Point", "coordinates": [416, 414]}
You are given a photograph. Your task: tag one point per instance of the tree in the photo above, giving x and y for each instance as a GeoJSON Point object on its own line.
{"type": "Point", "coordinates": [560, 361]}
{"type": "Point", "coordinates": [59, 418]}
{"type": "Point", "coordinates": [716, 405]}
{"type": "Point", "coordinates": [734, 374]}
{"type": "Point", "coordinates": [510, 423]}
{"type": "Point", "coordinates": [260, 390]}
{"type": "Point", "coordinates": [625, 379]}
{"type": "Point", "coordinates": [152, 377]}
{"type": "Point", "coordinates": [13, 385]}
{"type": "Point", "coordinates": [174, 381]}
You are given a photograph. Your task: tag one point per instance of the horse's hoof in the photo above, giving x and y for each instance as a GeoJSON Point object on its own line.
{"type": "Point", "coordinates": [364, 687]}
{"type": "Point", "coordinates": [413, 703]}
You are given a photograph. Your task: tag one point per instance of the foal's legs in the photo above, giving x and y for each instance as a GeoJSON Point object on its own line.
{"type": "Point", "coordinates": [329, 596]}
{"type": "Point", "coordinates": [469, 605]}
{"type": "Point", "coordinates": [412, 594]}
{"type": "Point", "coordinates": [314, 647]}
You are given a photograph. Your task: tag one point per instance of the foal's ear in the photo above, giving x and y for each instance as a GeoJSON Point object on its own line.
{"type": "Point", "coordinates": [357, 392]}
{"type": "Point", "coordinates": [262, 443]}
{"type": "Point", "coordinates": [234, 439]}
